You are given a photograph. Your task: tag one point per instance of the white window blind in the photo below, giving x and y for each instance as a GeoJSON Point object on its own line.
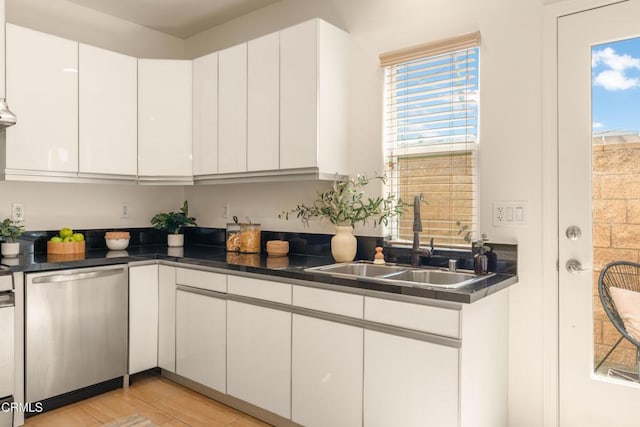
{"type": "Point", "coordinates": [431, 135]}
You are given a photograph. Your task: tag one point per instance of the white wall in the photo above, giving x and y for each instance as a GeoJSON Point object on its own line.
{"type": "Point", "coordinates": [75, 22]}
{"type": "Point", "coordinates": [51, 206]}
{"type": "Point", "coordinates": [510, 157]}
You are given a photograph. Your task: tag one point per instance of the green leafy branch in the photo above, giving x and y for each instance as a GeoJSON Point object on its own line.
{"type": "Point", "coordinates": [346, 204]}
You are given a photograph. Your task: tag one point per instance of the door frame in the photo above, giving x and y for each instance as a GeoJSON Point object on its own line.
{"type": "Point", "coordinates": [550, 233]}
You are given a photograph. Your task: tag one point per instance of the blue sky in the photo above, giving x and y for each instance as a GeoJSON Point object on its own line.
{"type": "Point", "coordinates": [615, 72]}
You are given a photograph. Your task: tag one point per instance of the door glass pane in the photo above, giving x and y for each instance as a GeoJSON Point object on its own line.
{"type": "Point", "coordinates": [616, 186]}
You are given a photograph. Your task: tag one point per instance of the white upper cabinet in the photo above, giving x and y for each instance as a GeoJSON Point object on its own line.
{"type": "Point", "coordinates": [108, 112]}
{"type": "Point", "coordinates": [263, 112]}
{"type": "Point", "coordinates": [313, 97]}
{"type": "Point", "coordinates": [205, 114]}
{"type": "Point", "coordinates": [42, 83]}
{"type": "Point", "coordinates": [232, 108]}
{"type": "Point", "coordinates": [164, 120]}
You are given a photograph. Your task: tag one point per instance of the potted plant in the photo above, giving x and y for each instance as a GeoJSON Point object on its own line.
{"type": "Point", "coordinates": [10, 232]}
{"type": "Point", "coordinates": [479, 248]}
{"type": "Point", "coordinates": [172, 223]}
{"type": "Point", "coordinates": [345, 205]}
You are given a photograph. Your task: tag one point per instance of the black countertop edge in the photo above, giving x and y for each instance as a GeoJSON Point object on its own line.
{"type": "Point", "coordinates": [291, 267]}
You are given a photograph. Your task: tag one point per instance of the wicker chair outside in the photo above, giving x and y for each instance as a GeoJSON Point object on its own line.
{"type": "Point", "coordinates": [625, 275]}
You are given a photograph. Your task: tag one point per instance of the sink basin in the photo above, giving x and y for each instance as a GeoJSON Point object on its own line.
{"type": "Point", "coordinates": [400, 275]}
{"type": "Point", "coordinates": [447, 279]}
{"type": "Point", "coordinates": [359, 269]}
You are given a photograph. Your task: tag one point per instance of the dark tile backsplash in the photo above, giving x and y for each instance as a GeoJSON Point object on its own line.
{"type": "Point", "coordinates": [299, 244]}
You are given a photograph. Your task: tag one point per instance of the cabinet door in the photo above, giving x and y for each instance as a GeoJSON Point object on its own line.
{"type": "Point", "coordinates": [201, 338]}
{"type": "Point", "coordinates": [164, 118]}
{"type": "Point", "coordinates": [42, 84]}
{"type": "Point", "coordinates": [108, 105]}
{"type": "Point", "coordinates": [232, 108]}
{"type": "Point", "coordinates": [263, 111]}
{"type": "Point", "coordinates": [326, 373]}
{"type": "Point", "coordinates": [167, 317]}
{"type": "Point", "coordinates": [259, 356]}
{"type": "Point", "coordinates": [298, 96]}
{"type": "Point", "coordinates": [143, 318]}
{"type": "Point", "coordinates": [205, 114]}
{"type": "Point", "coordinates": [409, 382]}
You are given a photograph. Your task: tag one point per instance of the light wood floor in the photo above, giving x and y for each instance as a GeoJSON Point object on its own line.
{"type": "Point", "coordinates": [160, 400]}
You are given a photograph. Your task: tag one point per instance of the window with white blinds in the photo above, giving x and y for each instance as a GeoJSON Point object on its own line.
{"type": "Point", "coordinates": [431, 136]}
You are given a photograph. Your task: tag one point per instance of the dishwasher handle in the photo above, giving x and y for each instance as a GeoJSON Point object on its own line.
{"type": "Point", "coordinates": [7, 300]}
{"type": "Point", "coordinates": [78, 276]}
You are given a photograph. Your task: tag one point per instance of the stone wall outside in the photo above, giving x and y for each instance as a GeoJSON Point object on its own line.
{"type": "Point", "coordinates": [616, 232]}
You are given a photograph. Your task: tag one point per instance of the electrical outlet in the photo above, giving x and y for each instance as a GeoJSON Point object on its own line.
{"type": "Point", "coordinates": [509, 213]}
{"type": "Point", "coordinates": [124, 210]}
{"type": "Point", "coordinates": [226, 211]}
{"type": "Point", "coordinates": [17, 212]}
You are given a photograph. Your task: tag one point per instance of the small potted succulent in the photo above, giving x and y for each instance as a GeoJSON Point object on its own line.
{"type": "Point", "coordinates": [173, 223]}
{"type": "Point", "coordinates": [10, 232]}
{"type": "Point", "coordinates": [479, 248]}
{"type": "Point", "coordinates": [345, 205]}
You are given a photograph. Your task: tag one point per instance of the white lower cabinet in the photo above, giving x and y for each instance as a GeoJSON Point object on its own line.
{"type": "Point", "coordinates": [201, 337]}
{"type": "Point", "coordinates": [143, 318]}
{"type": "Point", "coordinates": [408, 382]}
{"type": "Point", "coordinates": [167, 318]}
{"type": "Point", "coordinates": [259, 356]}
{"type": "Point", "coordinates": [326, 371]}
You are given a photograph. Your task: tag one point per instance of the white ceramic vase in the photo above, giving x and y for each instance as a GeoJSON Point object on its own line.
{"type": "Point", "coordinates": [10, 249]}
{"type": "Point", "coordinates": [175, 240]}
{"type": "Point", "coordinates": [344, 244]}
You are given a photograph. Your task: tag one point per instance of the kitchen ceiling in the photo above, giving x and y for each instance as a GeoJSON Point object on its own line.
{"type": "Point", "coordinates": [180, 18]}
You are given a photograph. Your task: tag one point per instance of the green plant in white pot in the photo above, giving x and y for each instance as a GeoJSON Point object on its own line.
{"type": "Point", "coordinates": [346, 205]}
{"type": "Point", "coordinates": [173, 223]}
{"type": "Point", "coordinates": [10, 232]}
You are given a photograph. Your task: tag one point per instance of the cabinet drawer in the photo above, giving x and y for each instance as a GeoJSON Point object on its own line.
{"type": "Point", "coordinates": [260, 289]}
{"type": "Point", "coordinates": [202, 279]}
{"type": "Point", "coordinates": [433, 320]}
{"type": "Point", "coordinates": [329, 301]}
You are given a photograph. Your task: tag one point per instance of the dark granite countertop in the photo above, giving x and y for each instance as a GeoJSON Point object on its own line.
{"type": "Point", "coordinates": [291, 267]}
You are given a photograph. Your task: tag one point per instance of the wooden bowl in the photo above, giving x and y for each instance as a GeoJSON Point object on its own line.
{"type": "Point", "coordinates": [277, 248]}
{"type": "Point", "coordinates": [64, 248]}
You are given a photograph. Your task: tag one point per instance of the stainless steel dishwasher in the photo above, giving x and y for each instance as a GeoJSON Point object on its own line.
{"type": "Point", "coordinates": [76, 330]}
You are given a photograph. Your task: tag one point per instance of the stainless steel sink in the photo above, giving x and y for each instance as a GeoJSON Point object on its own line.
{"type": "Point", "coordinates": [448, 279]}
{"type": "Point", "coordinates": [400, 275]}
{"type": "Point", "coordinates": [359, 269]}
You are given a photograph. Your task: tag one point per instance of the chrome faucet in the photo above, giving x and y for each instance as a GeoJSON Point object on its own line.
{"type": "Point", "coordinates": [416, 250]}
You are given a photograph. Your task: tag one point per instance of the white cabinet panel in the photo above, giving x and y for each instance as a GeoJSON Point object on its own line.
{"type": "Point", "coordinates": [326, 377]}
{"type": "Point", "coordinates": [202, 279]}
{"type": "Point", "coordinates": [201, 339]}
{"type": "Point", "coordinates": [42, 83]}
{"type": "Point", "coordinates": [108, 120]}
{"type": "Point", "coordinates": [167, 317]}
{"type": "Point", "coordinates": [409, 382]}
{"type": "Point", "coordinates": [205, 114]}
{"type": "Point", "coordinates": [259, 356]}
{"type": "Point", "coordinates": [260, 289]}
{"type": "Point", "coordinates": [425, 318]}
{"type": "Point", "coordinates": [263, 112]}
{"type": "Point", "coordinates": [164, 118]}
{"type": "Point", "coordinates": [232, 109]}
{"type": "Point", "coordinates": [143, 318]}
{"type": "Point", "coordinates": [299, 96]}
{"type": "Point", "coordinates": [329, 301]}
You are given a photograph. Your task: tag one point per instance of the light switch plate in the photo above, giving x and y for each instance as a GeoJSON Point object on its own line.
{"type": "Point", "coordinates": [510, 213]}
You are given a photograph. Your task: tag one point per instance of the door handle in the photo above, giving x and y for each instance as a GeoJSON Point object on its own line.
{"type": "Point", "coordinates": [574, 266]}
